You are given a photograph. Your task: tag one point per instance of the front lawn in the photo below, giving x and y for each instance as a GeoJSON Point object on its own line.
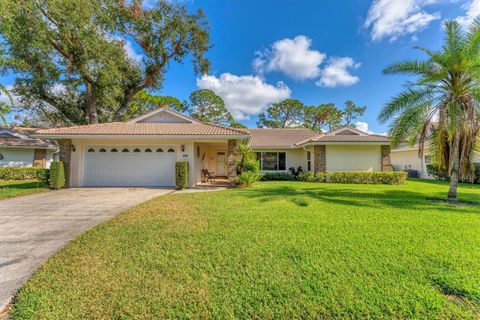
{"type": "Point", "coordinates": [9, 189]}
{"type": "Point", "coordinates": [280, 250]}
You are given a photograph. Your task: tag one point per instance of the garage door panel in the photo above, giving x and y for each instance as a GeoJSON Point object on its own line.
{"type": "Point", "coordinates": [129, 168]}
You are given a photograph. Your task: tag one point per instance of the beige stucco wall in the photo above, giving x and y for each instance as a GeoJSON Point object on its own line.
{"type": "Point", "coordinates": [353, 158]}
{"type": "Point", "coordinates": [16, 157]}
{"type": "Point", "coordinates": [408, 159]}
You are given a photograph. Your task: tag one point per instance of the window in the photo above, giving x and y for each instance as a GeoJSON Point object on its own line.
{"type": "Point", "coordinates": [159, 150]}
{"type": "Point", "coordinates": [102, 150]}
{"type": "Point", "coordinates": [114, 150]}
{"type": "Point", "coordinates": [309, 161]}
{"type": "Point", "coordinates": [272, 161]}
{"type": "Point", "coordinates": [125, 150]}
{"type": "Point", "coordinates": [171, 150]}
{"type": "Point", "coordinates": [428, 159]}
{"type": "Point", "coordinates": [136, 150]}
{"type": "Point", "coordinates": [148, 150]}
{"type": "Point", "coordinates": [91, 150]}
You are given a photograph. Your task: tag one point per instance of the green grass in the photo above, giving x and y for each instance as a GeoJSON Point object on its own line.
{"type": "Point", "coordinates": [278, 250]}
{"type": "Point", "coordinates": [10, 189]}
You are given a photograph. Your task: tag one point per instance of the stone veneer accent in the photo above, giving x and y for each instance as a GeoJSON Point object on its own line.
{"type": "Point", "coordinates": [65, 155]}
{"type": "Point", "coordinates": [319, 158]}
{"type": "Point", "coordinates": [386, 161]}
{"type": "Point", "coordinates": [232, 162]}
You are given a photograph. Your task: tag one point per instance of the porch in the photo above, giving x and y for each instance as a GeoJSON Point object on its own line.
{"type": "Point", "coordinates": [214, 163]}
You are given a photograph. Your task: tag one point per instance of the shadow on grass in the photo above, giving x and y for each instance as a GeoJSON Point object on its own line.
{"type": "Point", "coordinates": [23, 185]}
{"type": "Point", "coordinates": [338, 194]}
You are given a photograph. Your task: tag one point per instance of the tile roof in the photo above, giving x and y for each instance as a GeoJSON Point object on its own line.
{"type": "Point", "coordinates": [279, 138]}
{"type": "Point", "coordinates": [127, 128]}
{"type": "Point", "coordinates": [19, 137]}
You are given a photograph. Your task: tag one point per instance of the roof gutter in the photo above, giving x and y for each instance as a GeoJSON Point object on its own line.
{"type": "Point", "coordinates": [137, 136]}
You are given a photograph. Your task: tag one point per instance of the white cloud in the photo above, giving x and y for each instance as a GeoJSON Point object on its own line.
{"type": "Point", "coordinates": [131, 53]}
{"type": "Point", "coordinates": [363, 126]}
{"type": "Point", "coordinates": [394, 18]}
{"type": "Point", "coordinates": [244, 95]}
{"type": "Point", "coordinates": [336, 73]}
{"type": "Point", "coordinates": [293, 57]}
{"type": "Point", "coordinates": [472, 10]}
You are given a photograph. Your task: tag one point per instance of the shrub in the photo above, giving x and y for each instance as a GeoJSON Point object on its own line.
{"type": "Point", "coordinates": [278, 176]}
{"type": "Point", "coordinates": [253, 166]}
{"type": "Point", "coordinates": [57, 175]}
{"type": "Point", "coordinates": [436, 172]}
{"type": "Point", "coordinates": [297, 172]}
{"type": "Point", "coordinates": [365, 177]}
{"type": "Point", "coordinates": [247, 178]}
{"type": "Point", "coordinates": [31, 173]}
{"type": "Point", "coordinates": [311, 177]}
{"type": "Point", "coordinates": [181, 174]}
{"type": "Point", "coordinates": [439, 174]}
{"type": "Point", "coordinates": [477, 172]}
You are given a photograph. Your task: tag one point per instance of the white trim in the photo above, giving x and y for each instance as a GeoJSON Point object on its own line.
{"type": "Point", "coordinates": [341, 129]}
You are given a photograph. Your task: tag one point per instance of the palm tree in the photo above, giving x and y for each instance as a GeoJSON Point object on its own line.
{"type": "Point", "coordinates": [441, 107]}
{"type": "Point", "coordinates": [245, 155]}
{"type": "Point", "coordinates": [4, 108]}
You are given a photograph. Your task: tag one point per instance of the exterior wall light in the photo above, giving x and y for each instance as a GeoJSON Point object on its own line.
{"type": "Point", "coordinates": [182, 147]}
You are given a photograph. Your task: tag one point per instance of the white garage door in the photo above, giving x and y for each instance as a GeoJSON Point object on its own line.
{"type": "Point", "coordinates": [128, 166]}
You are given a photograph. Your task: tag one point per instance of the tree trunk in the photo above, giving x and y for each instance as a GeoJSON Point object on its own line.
{"type": "Point", "coordinates": [454, 173]}
{"type": "Point", "coordinates": [127, 98]}
{"type": "Point", "coordinates": [91, 105]}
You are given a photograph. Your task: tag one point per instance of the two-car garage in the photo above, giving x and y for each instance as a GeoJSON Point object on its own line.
{"type": "Point", "coordinates": [133, 166]}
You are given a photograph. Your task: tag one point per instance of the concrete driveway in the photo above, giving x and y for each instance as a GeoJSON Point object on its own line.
{"type": "Point", "coordinates": [33, 228]}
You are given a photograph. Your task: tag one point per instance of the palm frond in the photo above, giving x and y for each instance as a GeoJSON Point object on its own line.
{"type": "Point", "coordinates": [412, 67]}
{"type": "Point", "coordinates": [407, 99]}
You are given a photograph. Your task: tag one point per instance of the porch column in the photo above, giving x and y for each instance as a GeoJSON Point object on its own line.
{"type": "Point", "coordinates": [319, 158]}
{"type": "Point", "coordinates": [231, 162]}
{"type": "Point", "coordinates": [386, 161]}
{"type": "Point", "coordinates": [65, 155]}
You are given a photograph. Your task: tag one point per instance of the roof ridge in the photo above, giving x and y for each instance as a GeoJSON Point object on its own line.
{"type": "Point", "coordinates": [224, 127]}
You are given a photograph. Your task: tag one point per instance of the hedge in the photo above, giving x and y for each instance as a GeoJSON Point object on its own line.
{"type": "Point", "coordinates": [352, 177]}
{"type": "Point", "coordinates": [29, 173]}
{"type": "Point", "coordinates": [57, 175]}
{"type": "Point", "coordinates": [366, 177]}
{"type": "Point", "coordinates": [439, 174]}
{"type": "Point", "coordinates": [278, 176]}
{"type": "Point", "coordinates": [181, 174]}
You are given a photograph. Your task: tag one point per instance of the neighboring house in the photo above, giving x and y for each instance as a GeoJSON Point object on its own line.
{"type": "Point", "coordinates": [19, 149]}
{"type": "Point", "coordinates": [405, 157]}
{"type": "Point", "coordinates": [143, 151]}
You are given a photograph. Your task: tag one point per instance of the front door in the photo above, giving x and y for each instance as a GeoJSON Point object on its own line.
{"type": "Point", "coordinates": [221, 163]}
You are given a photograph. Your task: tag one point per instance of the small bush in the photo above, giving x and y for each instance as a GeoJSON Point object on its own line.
{"type": "Point", "coordinates": [297, 172]}
{"type": "Point", "coordinates": [436, 172]}
{"type": "Point", "coordinates": [365, 177]}
{"type": "Point", "coordinates": [30, 173]}
{"type": "Point", "coordinates": [278, 176]}
{"type": "Point", "coordinates": [57, 175]}
{"type": "Point", "coordinates": [247, 179]}
{"type": "Point", "coordinates": [181, 174]}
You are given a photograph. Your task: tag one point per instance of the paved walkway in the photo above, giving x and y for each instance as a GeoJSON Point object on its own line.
{"type": "Point", "coordinates": [33, 228]}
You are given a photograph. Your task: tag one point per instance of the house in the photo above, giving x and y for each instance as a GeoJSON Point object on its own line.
{"type": "Point", "coordinates": [405, 157]}
{"type": "Point", "coordinates": [143, 151]}
{"type": "Point", "coordinates": [19, 149]}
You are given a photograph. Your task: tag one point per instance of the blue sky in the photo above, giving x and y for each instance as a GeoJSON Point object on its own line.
{"type": "Point", "coordinates": [315, 51]}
